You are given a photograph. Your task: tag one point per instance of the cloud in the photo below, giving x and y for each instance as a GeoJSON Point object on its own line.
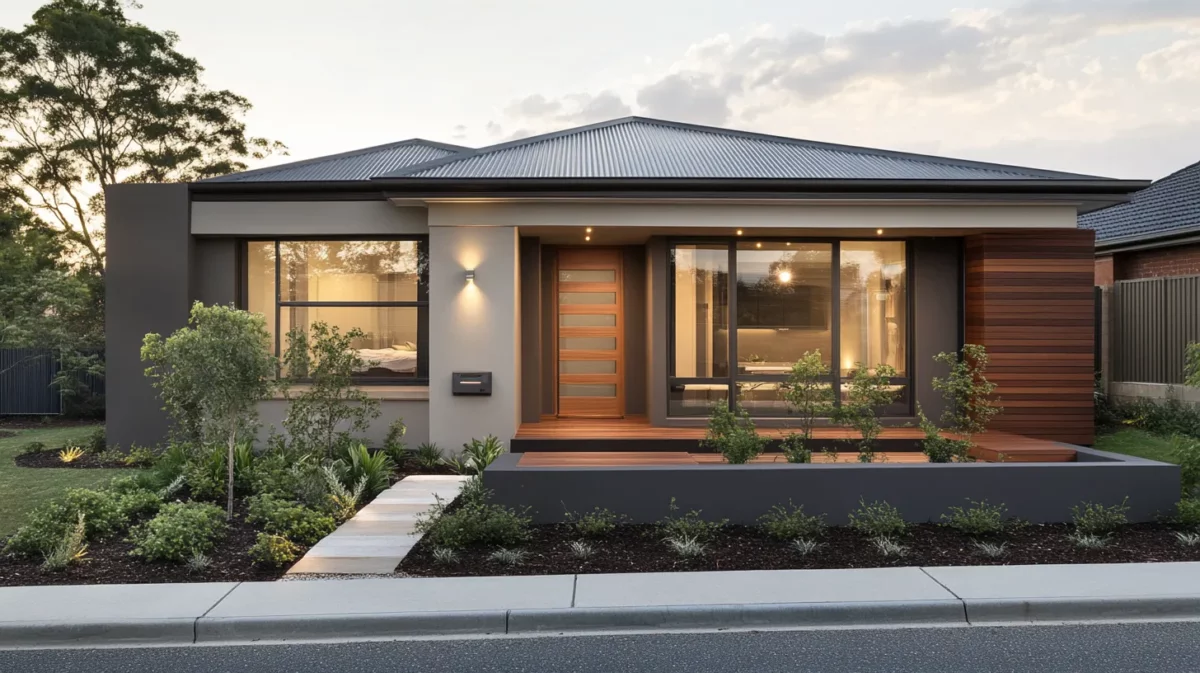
{"type": "Point", "coordinates": [687, 96]}
{"type": "Point", "coordinates": [1049, 83]}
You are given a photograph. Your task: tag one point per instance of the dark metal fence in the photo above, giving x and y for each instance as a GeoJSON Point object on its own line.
{"type": "Point", "coordinates": [27, 382]}
{"type": "Point", "coordinates": [1152, 321]}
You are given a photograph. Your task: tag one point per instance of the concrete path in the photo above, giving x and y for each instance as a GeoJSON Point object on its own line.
{"type": "Point", "coordinates": [383, 532]}
{"type": "Point", "coordinates": [386, 609]}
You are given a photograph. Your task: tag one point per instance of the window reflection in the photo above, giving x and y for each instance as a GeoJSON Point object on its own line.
{"type": "Point", "coordinates": [874, 305]}
{"type": "Point", "coordinates": [783, 304]}
{"type": "Point", "coordinates": [701, 311]}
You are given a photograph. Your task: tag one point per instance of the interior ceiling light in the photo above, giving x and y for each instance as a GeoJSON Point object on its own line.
{"type": "Point", "coordinates": [588, 230]}
{"type": "Point", "coordinates": [739, 232]}
{"type": "Point", "coordinates": [785, 276]}
{"type": "Point", "coordinates": [758, 245]}
{"type": "Point", "coordinates": [879, 232]}
{"type": "Point", "coordinates": [587, 238]}
{"type": "Point", "coordinates": [789, 242]}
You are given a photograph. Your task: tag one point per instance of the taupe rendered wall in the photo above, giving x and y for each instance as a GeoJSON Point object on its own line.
{"type": "Point", "coordinates": [474, 326]}
{"type": "Point", "coordinates": [147, 289]}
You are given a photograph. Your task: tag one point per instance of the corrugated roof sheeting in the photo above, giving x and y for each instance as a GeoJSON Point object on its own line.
{"type": "Point", "coordinates": [1169, 206]}
{"type": "Point", "coordinates": [357, 165]}
{"type": "Point", "coordinates": [639, 148]}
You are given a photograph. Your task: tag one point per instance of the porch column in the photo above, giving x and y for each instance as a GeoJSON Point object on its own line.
{"type": "Point", "coordinates": [1029, 300]}
{"type": "Point", "coordinates": [474, 326]}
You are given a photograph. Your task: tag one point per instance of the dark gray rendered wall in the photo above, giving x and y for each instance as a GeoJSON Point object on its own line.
{"type": "Point", "coordinates": [634, 278]}
{"type": "Point", "coordinates": [531, 329]}
{"type": "Point", "coordinates": [656, 325]}
{"type": "Point", "coordinates": [215, 270]}
{"type": "Point", "coordinates": [148, 289]}
{"type": "Point", "coordinates": [1037, 492]}
{"type": "Point", "coordinates": [937, 314]}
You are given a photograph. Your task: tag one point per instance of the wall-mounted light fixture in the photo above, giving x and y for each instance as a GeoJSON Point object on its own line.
{"type": "Point", "coordinates": [470, 275]}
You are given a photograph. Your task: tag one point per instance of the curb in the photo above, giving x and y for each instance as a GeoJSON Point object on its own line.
{"type": "Point", "coordinates": [180, 631]}
{"type": "Point", "coordinates": [1026, 611]}
{"type": "Point", "coordinates": [231, 630]}
{"type": "Point", "coordinates": [734, 616]}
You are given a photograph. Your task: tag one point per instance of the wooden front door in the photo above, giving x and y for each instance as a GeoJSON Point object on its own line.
{"type": "Point", "coordinates": [589, 333]}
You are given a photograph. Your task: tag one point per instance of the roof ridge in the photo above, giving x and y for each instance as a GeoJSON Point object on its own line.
{"type": "Point", "coordinates": [341, 155]}
{"type": "Point", "coordinates": [726, 132]}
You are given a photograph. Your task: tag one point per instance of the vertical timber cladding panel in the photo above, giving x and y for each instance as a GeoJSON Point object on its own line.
{"type": "Point", "coordinates": [1029, 300]}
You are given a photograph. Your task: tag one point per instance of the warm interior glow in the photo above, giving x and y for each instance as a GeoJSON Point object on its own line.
{"type": "Point", "coordinates": [588, 230]}
{"type": "Point", "coordinates": [739, 232]}
{"type": "Point", "coordinates": [587, 238]}
{"type": "Point", "coordinates": [759, 245]}
{"type": "Point", "coordinates": [785, 276]}
{"type": "Point", "coordinates": [879, 232]}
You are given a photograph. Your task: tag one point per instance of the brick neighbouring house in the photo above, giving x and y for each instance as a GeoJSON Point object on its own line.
{"type": "Point", "coordinates": [1156, 234]}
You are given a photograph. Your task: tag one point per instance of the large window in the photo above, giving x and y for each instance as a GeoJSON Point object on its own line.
{"type": "Point", "coordinates": [780, 306]}
{"type": "Point", "coordinates": [377, 286]}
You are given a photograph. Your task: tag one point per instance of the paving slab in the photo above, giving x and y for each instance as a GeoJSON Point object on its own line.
{"type": "Point", "coordinates": [368, 541]}
{"type": "Point", "coordinates": [344, 566]}
{"type": "Point", "coordinates": [113, 613]}
{"type": "Point", "coordinates": [359, 551]}
{"type": "Point", "coordinates": [356, 526]}
{"type": "Point", "coordinates": [1071, 581]}
{"type": "Point", "coordinates": [758, 587]}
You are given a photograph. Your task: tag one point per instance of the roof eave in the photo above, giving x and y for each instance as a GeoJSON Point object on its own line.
{"type": "Point", "coordinates": [1143, 241]}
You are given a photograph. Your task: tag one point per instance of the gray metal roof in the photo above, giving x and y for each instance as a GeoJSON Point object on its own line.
{"type": "Point", "coordinates": [355, 165]}
{"type": "Point", "coordinates": [636, 147]}
{"type": "Point", "coordinates": [1168, 207]}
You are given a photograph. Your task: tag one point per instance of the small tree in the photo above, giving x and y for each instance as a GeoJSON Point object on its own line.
{"type": "Point", "coordinates": [211, 374]}
{"type": "Point", "coordinates": [865, 391]}
{"type": "Point", "coordinates": [937, 448]}
{"type": "Point", "coordinates": [329, 409]}
{"type": "Point", "coordinates": [967, 391]}
{"type": "Point", "coordinates": [809, 392]}
{"type": "Point", "coordinates": [733, 434]}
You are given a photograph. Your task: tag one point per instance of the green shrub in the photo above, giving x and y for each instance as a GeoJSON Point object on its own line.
{"type": "Point", "coordinates": [243, 466]}
{"type": "Point", "coordinates": [138, 503]}
{"type": "Point", "coordinates": [1095, 519]}
{"type": "Point", "coordinates": [877, 519]}
{"type": "Point", "coordinates": [50, 523]}
{"type": "Point", "coordinates": [978, 519]}
{"type": "Point", "coordinates": [596, 523]}
{"type": "Point", "coordinates": [289, 519]}
{"type": "Point", "coordinates": [867, 390]}
{"type": "Point", "coordinates": [179, 532]}
{"type": "Point", "coordinates": [205, 474]}
{"type": "Point", "coordinates": [941, 449]}
{"type": "Point", "coordinates": [357, 463]}
{"type": "Point", "coordinates": [273, 550]}
{"type": "Point", "coordinates": [689, 525]}
{"type": "Point", "coordinates": [809, 393]}
{"type": "Point", "coordinates": [1187, 513]}
{"type": "Point", "coordinates": [1187, 453]}
{"type": "Point", "coordinates": [479, 453]}
{"type": "Point", "coordinates": [970, 404]}
{"type": "Point", "coordinates": [96, 442]}
{"type": "Point", "coordinates": [1171, 417]}
{"type": "Point", "coordinates": [474, 522]}
{"type": "Point", "coordinates": [393, 444]}
{"type": "Point", "coordinates": [790, 523]}
{"type": "Point", "coordinates": [794, 449]}
{"type": "Point", "coordinates": [732, 433]}
{"type": "Point", "coordinates": [428, 456]}
{"type": "Point", "coordinates": [32, 447]}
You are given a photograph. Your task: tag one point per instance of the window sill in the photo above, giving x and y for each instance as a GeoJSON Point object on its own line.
{"type": "Point", "coordinates": [381, 393]}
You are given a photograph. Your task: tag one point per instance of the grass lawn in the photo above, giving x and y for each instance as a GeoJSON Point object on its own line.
{"type": "Point", "coordinates": [1134, 442]}
{"type": "Point", "coordinates": [22, 489]}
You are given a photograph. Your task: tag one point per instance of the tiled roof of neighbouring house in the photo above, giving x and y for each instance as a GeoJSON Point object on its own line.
{"type": "Point", "coordinates": [356, 165]}
{"type": "Point", "coordinates": [1167, 207]}
{"type": "Point", "coordinates": [636, 147]}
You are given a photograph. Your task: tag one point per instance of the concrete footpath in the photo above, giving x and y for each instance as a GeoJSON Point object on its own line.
{"type": "Point", "coordinates": [390, 608]}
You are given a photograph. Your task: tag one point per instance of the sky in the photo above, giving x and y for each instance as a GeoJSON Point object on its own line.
{"type": "Point", "coordinates": [1102, 87]}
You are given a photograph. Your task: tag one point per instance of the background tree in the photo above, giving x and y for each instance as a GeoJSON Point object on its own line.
{"type": "Point", "coordinates": [212, 374]}
{"type": "Point", "coordinates": [89, 98]}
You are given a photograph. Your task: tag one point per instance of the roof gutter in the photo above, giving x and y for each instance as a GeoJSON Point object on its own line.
{"type": "Point", "coordinates": [1135, 243]}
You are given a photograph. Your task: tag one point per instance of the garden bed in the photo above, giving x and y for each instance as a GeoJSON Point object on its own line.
{"type": "Point", "coordinates": [109, 562]}
{"type": "Point", "coordinates": [640, 548]}
{"type": "Point", "coordinates": [50, 458]}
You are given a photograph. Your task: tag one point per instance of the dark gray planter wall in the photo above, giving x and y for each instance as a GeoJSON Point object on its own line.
{"type": "Point", "coordinates": [1037, 492]}
{"type": "Point", "coordinates": [148, 289]}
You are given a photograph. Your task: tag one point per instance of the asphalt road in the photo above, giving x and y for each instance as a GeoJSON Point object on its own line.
{"type": "Point", "coordinates": [1157, 648]}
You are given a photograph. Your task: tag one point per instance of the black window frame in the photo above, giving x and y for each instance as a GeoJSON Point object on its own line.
{"type": "Point", "coordinates": [902, 409]}
{"type": "Point", "coordinates": [421, 303]}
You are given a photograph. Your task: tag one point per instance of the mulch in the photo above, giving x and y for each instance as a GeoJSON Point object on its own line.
{"type": "Point", "coordinates": [640, 549]}
{"type": "Point", "coordinates": [109, 562]}
{"type": "Point", "coordinates": [49, 458]}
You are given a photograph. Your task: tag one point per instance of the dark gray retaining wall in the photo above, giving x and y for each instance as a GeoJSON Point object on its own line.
{"type": "Point", "coordinates": [1037, 492]}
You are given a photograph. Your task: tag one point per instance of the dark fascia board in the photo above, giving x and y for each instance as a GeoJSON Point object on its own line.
{"type": "Point", "coordinates": [1147, 242]}
{"type": "Point", "coordinates": [1093, 192]}
{"type": "Point", "coordinates": [340, 155]}
{"type": "Point", "coordinates": [892, 154]}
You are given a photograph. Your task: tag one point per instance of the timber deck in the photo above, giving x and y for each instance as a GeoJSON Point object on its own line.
{"type": "Point", "coordinates": [991, 446]}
